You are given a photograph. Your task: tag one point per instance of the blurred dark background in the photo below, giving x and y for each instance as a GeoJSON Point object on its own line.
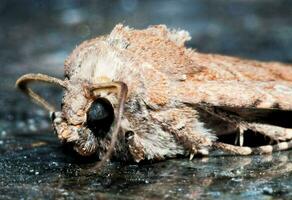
{"type": "Point", "coordinates": [37, 35]}
{"type": "Point", "coordinates": [259, 29]}
{"type": "Point", "coordinates": [35, 32]}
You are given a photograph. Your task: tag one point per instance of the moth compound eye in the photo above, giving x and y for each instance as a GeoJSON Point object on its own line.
{"type": "Point", "coordinates": [100, 117]}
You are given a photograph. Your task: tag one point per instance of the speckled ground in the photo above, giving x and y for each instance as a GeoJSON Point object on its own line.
{"type": "Point", "coordinates": [36, 36]}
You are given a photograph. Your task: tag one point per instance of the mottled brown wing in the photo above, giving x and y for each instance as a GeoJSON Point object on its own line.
{"type": "Point", "coordinates": [238, 94]}
{"type": "Point", "coordinates": [169, 70]}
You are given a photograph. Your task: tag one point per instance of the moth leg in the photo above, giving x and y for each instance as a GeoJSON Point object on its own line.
{"type": "Point", "coordinates": [275, 133]}
{"type": "Point", "coordinates": [239, 139]}
{"type": "Point", "coordinates": [227, 117]}
{"type": "Point", "coordinates": [279, 135]}
{"type": "Point", "coordinates": [61, 128]}
{"type": "Point", "coordinates": [59, 124]}
{"type": "Point", "coordinates": [280, 139]}
{"type": "Point", "coordinates": [135, 147]}
{"type": "Point", "coordinates": [265, 149]}
{"type": "Point", "coordinates": [183, 124]}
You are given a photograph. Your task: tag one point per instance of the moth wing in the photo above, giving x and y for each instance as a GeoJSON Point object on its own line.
{"type": "Point", "coordinates": [238, 94]}
{"type": "Point", "coordinates": [266, 102]}
{"type": "Point", "coordinates": [264, 108]}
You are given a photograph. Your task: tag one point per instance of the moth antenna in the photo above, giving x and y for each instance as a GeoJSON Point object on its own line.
{"type": "Point", "coordinates": [122, 95]}
{"type": "Point", "coordinates": [23, 81]}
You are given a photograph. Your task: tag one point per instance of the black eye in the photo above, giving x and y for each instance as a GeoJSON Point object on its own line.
{"type": "Point", "coordinates": [100, 117]}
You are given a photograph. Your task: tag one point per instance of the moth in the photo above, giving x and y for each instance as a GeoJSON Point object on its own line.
{"type": "Point", "coordinates": [137, 95]}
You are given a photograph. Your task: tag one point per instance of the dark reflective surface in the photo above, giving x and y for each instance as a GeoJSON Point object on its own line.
{"type": "Point", "coordinates": [36, 36]}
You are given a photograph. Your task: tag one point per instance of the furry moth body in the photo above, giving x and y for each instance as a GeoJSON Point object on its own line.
{"type": "Point", "coordinates": [167, 100]}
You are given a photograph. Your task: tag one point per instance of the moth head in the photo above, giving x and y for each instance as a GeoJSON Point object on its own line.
{"type": "Point", "coordinates": [91, 113]}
